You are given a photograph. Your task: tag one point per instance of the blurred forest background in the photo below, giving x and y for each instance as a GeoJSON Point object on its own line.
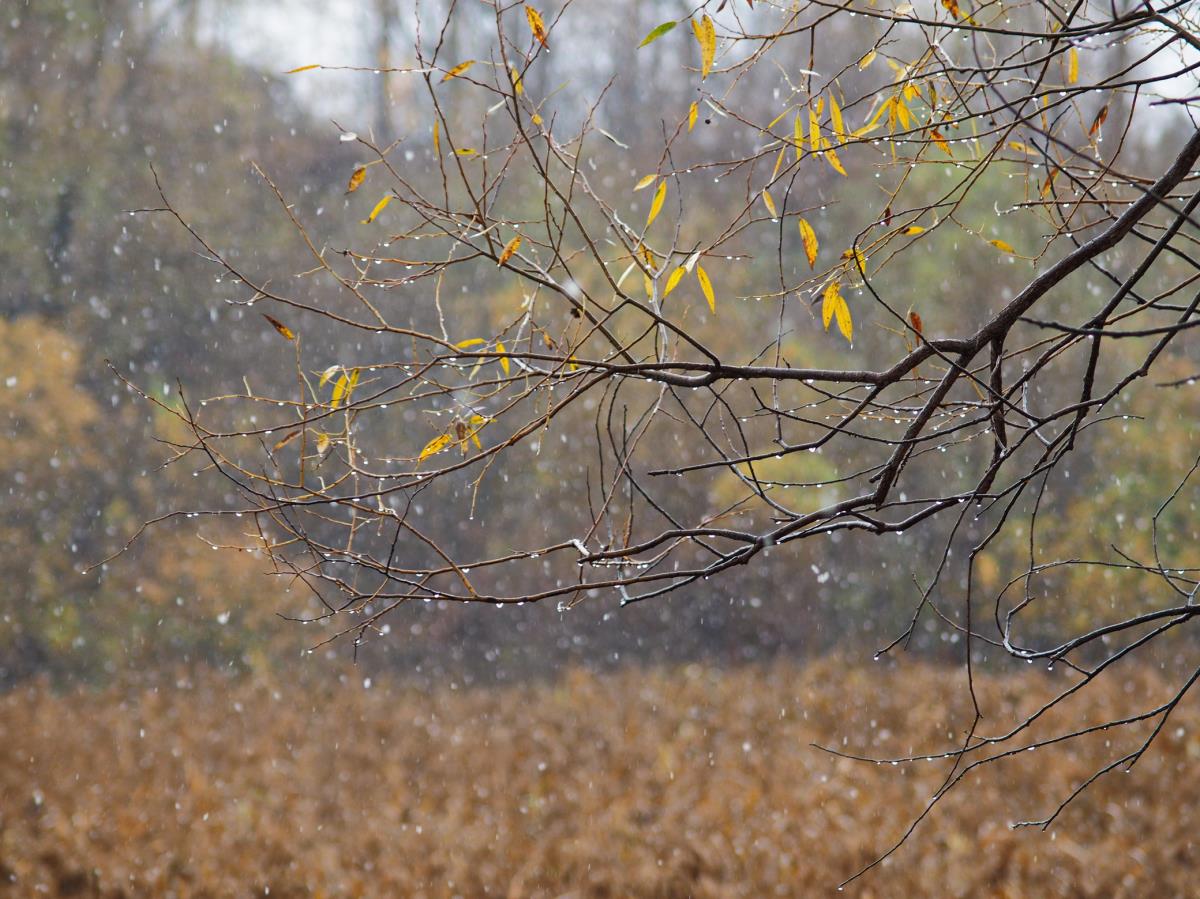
{"type": "Point", "coordinates": [94, 92]}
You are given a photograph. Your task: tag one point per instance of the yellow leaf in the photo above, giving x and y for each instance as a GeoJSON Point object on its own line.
{"type": "Point", "coordinates": [809, 237]}
{"type": "Point", "coordinates": [356, 179]}
{"type": "Point", "coordinates": [315, 65]}
{"type": "Point", "coordinates": [322, 442]}
{"type": "Point", "coordinates": [769, 203]}
{"type": "Point", "coordinates": [868, 58]}
{"type": "Point", "coordinates": [1072, 66]}
{"type": "Point", "coordinates": [940, 141]}
{"type": "Point", "coordinates": [1021, 148]}
{"type": "Point", "coordinates": [856, 255]}
{"type": "Point", "coordinates": [833, 305]}
{"type": "Point", "coordinates": [437, 141]}
{"type": "Point", "coordinates": [814, 131]}
{"type": "Point", "coordinates": [707, 288]}
{"type": "Point", "coordinates": [536, 25]}
{"type": "Point", "coordinates": [327, 374]}
{"type": "Point", "coordinates": [832, 158]}
{"type": "Point", "coordinates": [470, 342]}
{"type": "Point", "coordinates": [673, 280]}
{"type": "Point", "coordinates": [504, 364]}
{"type": "Point", "coordinates": [693, 114]}
{"type": "Point", "coordinates": [844, 321]}
{"type": "Point", "coordinates": [379, 207]}
{"type": "Point", "coordinates": [279, 326]}
{"type": "Point", "coordinates": [518, 86]}
{"type": "Point", "coordinates": [458, 70]}
{"type": "Point", "coordinates": [537, 119]}
{"type": "Point", "coordinates": [645, 182]}
{"type": "Point", "coordinates": [952, 8]}
{"type": "Point", "coordinates": [1003, 247]}
{"type": "Point", "coordinates": [798, 134]}
{"type": "Point", "coordinates": [835, 116]}
{"type": "Point", "coordinates": [706, 36]}
{"type": "Point", "coordinates": [828, 301]}
{"type": "Point", "coordinates": [339, 391]}
{"type": "Point", "coordinates": [513, 246]}
{"type": "Point", "coordinates": [914, 229]}
{"type": "Point", "coordinates": [778, 163]}
{"type": "Point", "coordinates": [434, 446]}
{"type": "Point", "coordinates": [656, 206]}
{"type": "Point", "coordinates": [466, 151]}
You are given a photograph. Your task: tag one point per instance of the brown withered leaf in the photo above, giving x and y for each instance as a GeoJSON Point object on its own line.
{"type": "Point", "coordinates": [279, 326]}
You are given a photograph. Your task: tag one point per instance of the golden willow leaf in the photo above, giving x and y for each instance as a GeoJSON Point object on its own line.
{"type": "Point", "coordinates": [518, 85]}
{"type": "Point", "coordinates": [844, 321]}
{"type": "Point", "coordinates": [286, 440]}
{"type": "Point", "coordinates": [693, 114]}
{"type": "Point", "coordinates": [673, 281]}
{"type": "Point", "coordinates": [322, 442]}
{"type": "Point", "coordinates": [706, 37]}
{"type": "Point", "coordinates": [1098, 120]}
{"type": "Point", "coordinates": [828, 300]}
{"type": "Point", "coordinates": [315, 65]}
{"type": "Point", "coordinates": [379, 207]}
{"type": "Point", "coordinates": [470, 342]}
{"type": "Point", "coordinates": [536, 25]}
{"type": "Point", "coordinates": [504, 364]}
{"type": "Point", "coordinates": [1003, 247]}
{"type": "Point", "coordinates": [660, 196]}
{"type": "Point", "coordinates": [435, 446]}
{"type": "Point", "coordinates": [513, 246]}
{"type": "Point", "coordinates": [868, 58]}
{"type": "Point", "coordinates": [940, 140]}
{"type": "Point", "coordinates": [952, 8]}
{"type": "Point", "coordinates": [1021, 148]}
{"type": "Point", "coordinates": [707, 288]}
{"type": "Point", "coordinates": [914, 229]}
{"type": "Point", "coordinates": [778, 162]}
{"type": "Point", "coordinates": [437, 141]}
{"type": "Point", "coordinates": [645, 182]}
{"type": "Point", "coordinates": [769, 203]}
{"type": "Point", "coordinates": [814, 131]}
{"type": "Point", "coordinates": [832, 158]}
{"type": "Point", "coordinates": [835, 116]}
{"type": "Point", "coordinates": [798, 134]}
{"type": "Point", "coordinates": [339, 391]}
{"type": "Point", "coordinates": [1072, 66]}
{"type": "Point", "coordinates": [327, 374]}
{"type": "Point", "coordinates": [809, 237]}
{"type": "Point", "coordinates": [356, 179]}
{"type": "Point", "coordinates": [458, 70]}
{"type": "Point", "coordinates": [656, 33]}
{"type": "Point", "coordinates": [279, 326]}
{"type": "Point", "coordinates": [833, 305]}
{"type": "Point", "coordinates": [467, 151]}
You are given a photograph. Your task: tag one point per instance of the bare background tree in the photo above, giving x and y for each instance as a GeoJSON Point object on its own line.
{"type": "Point", "coordinates": [899, 294]}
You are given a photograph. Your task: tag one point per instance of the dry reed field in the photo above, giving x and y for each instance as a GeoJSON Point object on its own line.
{"type": "Point", "coordinates": [677, 782]}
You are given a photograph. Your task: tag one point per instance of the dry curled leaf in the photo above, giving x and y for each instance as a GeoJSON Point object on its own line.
{"type": "Point", "coordinates": [809, 238]}
{"type": "Point", "coordinates": [513, 246]}
{"type": "Point", "coordinates": [706, 37]}
{"type": "Point", "coordinates": [536, 25]}
{"type": "Point", "coordinates": [279, 326]}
